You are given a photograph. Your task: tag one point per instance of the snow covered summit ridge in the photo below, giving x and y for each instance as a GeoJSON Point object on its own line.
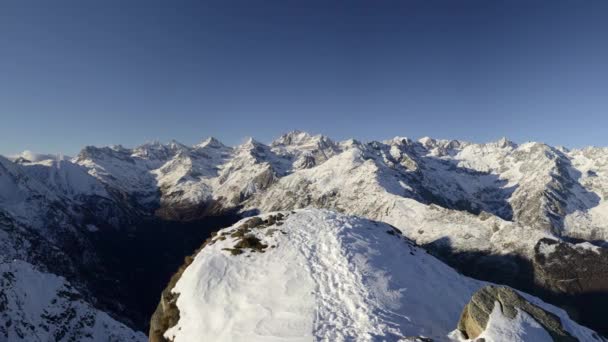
{"type": "Point", "coordinates": [315, 275]}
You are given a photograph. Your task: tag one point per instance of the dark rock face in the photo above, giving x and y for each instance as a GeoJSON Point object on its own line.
{"type": "Point", "coordinates": [476, 313]}
{"type": "Point", "coordinates": [562, 267]}
{"type": "Point", "coordinates": [188, 212]}
{"type": "Point", "coordinates": [166, 314]}
{"type": "Point", "coordinates": [574, 277]}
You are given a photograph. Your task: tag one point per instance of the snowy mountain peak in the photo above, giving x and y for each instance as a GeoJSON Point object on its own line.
{"type": "Point", "coordinates": [426, 140]}
{"type": "Point", "coordinates": [504, 143]}
{"type": "Point", "coordinates": [210, 142]}
{"type": "Point", "coordinates": [294, 138]}
{"type": "Point", "coordinates": [442, 144]}
{"type": "Point", "coordinates": [178, 146]}
{"type": "Point", "coordinates": [107, 152]}
{"type": "Point", "coordinates": [399, 141]}
{"type": "Point", "coordinates": [250, 143]}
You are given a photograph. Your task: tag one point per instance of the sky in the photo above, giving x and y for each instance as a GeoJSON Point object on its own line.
{"type": "Point", "coordinates": [76, 73]}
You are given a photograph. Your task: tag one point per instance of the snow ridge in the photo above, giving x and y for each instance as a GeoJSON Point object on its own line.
{"type": "Point", "coordinates": [323, 276]}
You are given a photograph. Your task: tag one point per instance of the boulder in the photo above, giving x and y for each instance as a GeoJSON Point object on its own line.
{"type": "Point", "coordinates": [476, 313]}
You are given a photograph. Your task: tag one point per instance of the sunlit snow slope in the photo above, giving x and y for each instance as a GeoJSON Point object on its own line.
{"type": "Point", "coordinates": [316, 275]}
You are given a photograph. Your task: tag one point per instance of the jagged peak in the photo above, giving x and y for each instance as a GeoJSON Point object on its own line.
{"type": "Point", "coordinates": [118, 148]}
{"type": "Point", "coordinates": [399, 141]}
{"type": "Point", "coordinates": [251, 143]}
{"type": "Point", "coordinates": [427, 141]}
{"type": "Point", "coordinates": [157, 145]}
{"type": "Point", "coordinates": [534, 145]}
{"type": "Point", "coordinates": [151, 144]}
{"type": "Point", "coordinates": [156, 150]}
{"type": "Point", "coordinates": [350, 143]}
{"type": "Point", "coordinates": [176, 145]}
{"type": "Point", "coordinates": [431, 143]}
{"type": "Point", "coordinates": [294, 137]}
{"type": "Point", "coordinates": [210, 142]}
{"type": "Point", "coordinates": [91, 151]}
{"type": "Point", "coordinates": [504, 143]}
{"type": "Point", "coordinates": [298, 138]}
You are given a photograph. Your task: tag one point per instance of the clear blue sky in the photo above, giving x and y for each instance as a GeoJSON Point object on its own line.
{"type": "Point", "coordinates": [75, 73]}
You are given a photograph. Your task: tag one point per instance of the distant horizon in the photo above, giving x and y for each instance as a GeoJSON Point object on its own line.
{"type": "Point", "coordinates": [268, 142]}
{"type": "Point", "coordinates": [80, 73]}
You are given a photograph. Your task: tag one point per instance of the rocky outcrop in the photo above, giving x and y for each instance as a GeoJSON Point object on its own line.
{"type": "Point", "coordinates": [167, 313]}
{"type": "Point", "coordinates": [186, 211]}
{"type": "Point", "coordinates": [476, 313]}
{"type": "Point", "coordinates": [563, 267]}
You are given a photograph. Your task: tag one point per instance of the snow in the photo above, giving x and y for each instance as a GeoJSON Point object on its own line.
{"type": "Point", "coordinates": [330, 277]}
{"type": "Point", "coordinates": [355, 183]}
{"type": "Point", "coordinates": [588, 246]}
{"type": "Point", "coordinates": [576, 330]}
{"type": "Point", "coordinates": [498, 197]}
{"type": "Point", "coordinates": [34, 157]}
{"type": "Point", "coordinates": [547, 249]}
{"type": "Point", "coordinates": [523, 328]}
{"type": "Point", "coordinates": [500, 178]}
{"type": "Point", "coordinates": [520, 329]}
{"type": "Point", "coordinates": [41, 306]}
{"type": "Point", "coordinates": [65, 178]}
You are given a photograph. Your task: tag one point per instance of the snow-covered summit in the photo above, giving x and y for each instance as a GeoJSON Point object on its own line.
{"type": "Point", "coordinates": [210, 142]}
{"type": "Point", "coordinates": [315, 275]}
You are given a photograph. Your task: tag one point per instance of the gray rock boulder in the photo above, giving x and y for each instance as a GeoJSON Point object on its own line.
{"type": "Point", "coordinates": [476, 313]}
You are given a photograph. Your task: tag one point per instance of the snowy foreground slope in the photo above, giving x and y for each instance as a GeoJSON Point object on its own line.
{"type": "Point", "coordinates": [315, 275]}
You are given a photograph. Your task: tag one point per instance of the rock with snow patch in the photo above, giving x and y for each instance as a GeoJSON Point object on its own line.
{"type": "Point", "coordinates": [501, 314]}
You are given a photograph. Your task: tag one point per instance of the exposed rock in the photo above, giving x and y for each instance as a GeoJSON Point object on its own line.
{"type": "Point", "coordinates": [186, 211]}
{"type": "Point", "coordinates": [564, 267]}
{"type": "Point", "coordinates": [476, 313]}
{"type": "Point", "coordinates": [167, 314]}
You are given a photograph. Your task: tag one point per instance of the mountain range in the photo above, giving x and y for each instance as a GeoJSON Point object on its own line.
{"type": "Point", "coordinates": [530, 216]}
